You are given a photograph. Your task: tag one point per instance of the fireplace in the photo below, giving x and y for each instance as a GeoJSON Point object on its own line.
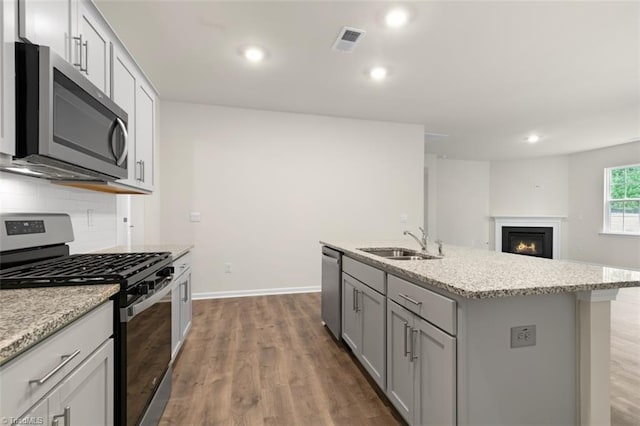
{"type": "Point", "coordinates": [528, 240]}
{"type": "Point", "coordinates": [525, 224]}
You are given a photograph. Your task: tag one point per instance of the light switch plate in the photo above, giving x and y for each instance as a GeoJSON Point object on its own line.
{"type": "Point", "coordinates": [194, 216]}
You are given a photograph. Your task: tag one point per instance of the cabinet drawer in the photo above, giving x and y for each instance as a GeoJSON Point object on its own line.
{"type": "Point", "coordinates": [369, 275]}
{"type": "Point", "coordinates": [181, 264]}
{"type": "Point", "coordinates": [84, 336]}
{"type": "Point", "coordinates": [437, 309]}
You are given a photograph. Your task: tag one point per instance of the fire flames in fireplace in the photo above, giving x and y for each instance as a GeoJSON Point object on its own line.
{"type": "Point", "coordinates": [523, 247]}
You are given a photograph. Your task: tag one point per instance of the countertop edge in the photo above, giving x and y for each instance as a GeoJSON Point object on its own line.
{"type": "Point", "coordinates": [32, 337]}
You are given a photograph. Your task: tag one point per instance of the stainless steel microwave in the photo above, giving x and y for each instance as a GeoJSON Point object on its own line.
{"type": "Point", "coordinates": [66, 128]}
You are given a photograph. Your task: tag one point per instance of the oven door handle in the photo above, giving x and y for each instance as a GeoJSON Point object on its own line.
{"type": "Point", "coordinates": [130, 312]}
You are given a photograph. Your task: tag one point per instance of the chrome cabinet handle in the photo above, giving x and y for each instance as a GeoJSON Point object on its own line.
{"type": "Point", "coordinates": [65, 360]}
{"type": "Point", "coordinates": [139, 170]}
{"type": "Point", "coordinates": [353, 299]}
{"type": "Point", "coordinates": [405, 297]}
{"type": "Point", "coordinates": [186, 294]}
{"type": "Point", "coordinates": [142, 161]}
{"type": "Point", "coordinates": [80, 44]}
{"type": "Point", "coordinates": [357, 301]}
{"type": "Point", "coordinates": [414, 333]}
{"type": "Point", "coordinates": [67, 417]}
{"type": "Point", "coordinates": [123, 154]}
{"type": "Point", "coordinates": [86, 58]}
{"type": "Point", "coordinates": [406, 349]}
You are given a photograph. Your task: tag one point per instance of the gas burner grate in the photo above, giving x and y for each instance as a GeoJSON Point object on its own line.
{"type": "Point", "coordinates": [81, 269]}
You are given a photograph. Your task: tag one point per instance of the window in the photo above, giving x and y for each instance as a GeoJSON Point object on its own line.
{"type": "Point", "coordinates": [622, 200]}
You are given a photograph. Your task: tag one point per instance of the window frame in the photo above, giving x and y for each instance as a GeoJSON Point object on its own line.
{"type": "Point", "coordinates": [606, 225]}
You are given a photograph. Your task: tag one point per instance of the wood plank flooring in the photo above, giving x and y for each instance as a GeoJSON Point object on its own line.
{"type": "Point", "coordinates": [269, 361]}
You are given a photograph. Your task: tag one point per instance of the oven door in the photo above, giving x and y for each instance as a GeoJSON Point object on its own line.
{"type": "Point", "coordinates": [62, 117]}
{"type": "Point", "coordinates": [148, 348]}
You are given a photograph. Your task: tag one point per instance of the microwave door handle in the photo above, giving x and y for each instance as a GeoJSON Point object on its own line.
{"type": "Point", "coordinates": [123, 154]}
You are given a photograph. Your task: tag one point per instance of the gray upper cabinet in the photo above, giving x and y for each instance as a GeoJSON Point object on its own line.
{"type": "Point", "coordinates": [91, 45]}
{"type": "Point", "coordinates": [48, 23]}
{"type": "Point", "coordinates": [123, 92]}
{"type": "Point", "coordinates": [145, 135]}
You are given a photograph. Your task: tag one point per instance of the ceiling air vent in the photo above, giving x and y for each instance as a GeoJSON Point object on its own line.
{"type": "Point", "coordinates": [348, 39]}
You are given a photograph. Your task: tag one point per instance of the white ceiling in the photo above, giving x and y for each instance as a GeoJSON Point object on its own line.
{"type": "Point", "coordinates": [485, 73]}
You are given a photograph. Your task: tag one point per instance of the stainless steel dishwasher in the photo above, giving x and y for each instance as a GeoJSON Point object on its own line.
{"type": "Point", "coordinates": [332, 290]}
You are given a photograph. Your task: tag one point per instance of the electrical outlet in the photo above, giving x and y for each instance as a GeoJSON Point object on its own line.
{"type": "Point", "coordinates": [89, 217]}
{"type": "Point", "coordinates": [227, 268]}
{"type": "Point", "coordinates": [524, 335]}
{"type": "Point", "coordinates": [404, 218]}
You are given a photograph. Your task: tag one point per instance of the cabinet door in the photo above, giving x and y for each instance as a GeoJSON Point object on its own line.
{"type": "Point", "coordinates": [7, 77]}
{"type": "Point", "coordinates": [185, 305]}
{"type": "Point", "coordinates": [145, 134]}
{"type": "Point", "coordinates": [123, 93]}
{"type": "Point", "coordinates": [435, 358]}
{"type": "Point", "coordinates": [400, 368]}
{"type": "Point", "coordinates": [351, 324]}
{"type": "Point", "coordinates": [46, 22]}
{"type": "Point", "coordinates": [93, 49]}
{"type": "Point", "coordinates": [372, 309]}
{"type": "Point", "coordinates": [87, 394]}
{"type": "Point", "coordinates": [175, 320]}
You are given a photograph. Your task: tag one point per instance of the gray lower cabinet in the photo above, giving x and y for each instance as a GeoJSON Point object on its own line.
{"type": "Point", "coordinates": [181, 303]}
{"type": "Point", "coordinates": [363, 326]}
{"type": "Point", "coordinates": [421, 368]}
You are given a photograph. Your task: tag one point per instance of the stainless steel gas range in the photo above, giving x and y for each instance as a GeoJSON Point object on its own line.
{"type": "Point", "coordinates": [35, 254]}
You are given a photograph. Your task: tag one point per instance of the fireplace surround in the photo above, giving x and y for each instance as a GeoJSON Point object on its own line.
{"type": "Point", "coordinates": [537, 223]}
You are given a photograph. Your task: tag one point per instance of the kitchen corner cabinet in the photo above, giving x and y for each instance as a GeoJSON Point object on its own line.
{"type": "Point", "coordinates": [42, 387]}
{"type": "Point", "coordinates": [181, 303]}
{"type": "Point", "coordinates": [8, 12]}
{"type": "Point", "coordinates": [363, 326]}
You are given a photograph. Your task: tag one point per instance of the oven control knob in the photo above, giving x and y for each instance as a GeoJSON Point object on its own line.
{"type": "Point", "coordinates": [143, 288]}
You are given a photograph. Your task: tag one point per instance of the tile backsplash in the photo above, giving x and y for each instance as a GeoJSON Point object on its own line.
{"type": "Point", "coordinates": [93, 214]}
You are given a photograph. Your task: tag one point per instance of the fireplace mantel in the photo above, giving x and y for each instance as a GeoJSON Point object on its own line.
{"type": "Point", "coordinates": [547, 221]}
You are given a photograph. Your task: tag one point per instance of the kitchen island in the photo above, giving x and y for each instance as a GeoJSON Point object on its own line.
{"type": "Point", "coordinates": [509, 339]}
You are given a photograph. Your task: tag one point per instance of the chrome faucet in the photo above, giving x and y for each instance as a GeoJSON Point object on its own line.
{"type": "Point", "coordinates": [422, 241]}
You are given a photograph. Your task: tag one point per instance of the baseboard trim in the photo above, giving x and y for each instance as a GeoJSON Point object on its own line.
{"type": "Point", "coordinates": [258, 292]}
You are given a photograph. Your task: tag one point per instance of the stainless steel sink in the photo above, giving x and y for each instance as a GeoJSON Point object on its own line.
{"type": "Point", "coordinates": [398, 253]}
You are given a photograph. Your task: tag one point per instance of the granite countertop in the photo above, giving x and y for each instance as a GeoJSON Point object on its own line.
{"type": "Point", "coordinates": [29, 315]}
{"type": "Point", "coordinates": [176, 250]}
{"type": "Point", "coordinates": [480, 274]}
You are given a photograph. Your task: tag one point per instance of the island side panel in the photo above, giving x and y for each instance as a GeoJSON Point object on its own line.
{"type": "Point", "coordinates": [500, 385]}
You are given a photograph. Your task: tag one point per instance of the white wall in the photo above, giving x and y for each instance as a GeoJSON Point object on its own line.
{"type": "Point", "coordinates": [269, 185]}
{"type": "Point", "coordinates": [586, 204]}
{"type": "Point", "coordinates": [462, 205]}
{"type": "Point", "coordinates": [530, 187]}
{"type": "Point", "coordinates": [31, 195]}
{"type": "Point", "coordinates": [430, 194]}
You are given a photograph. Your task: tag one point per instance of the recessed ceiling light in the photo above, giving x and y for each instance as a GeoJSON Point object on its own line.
{"type": "Point", "coordinates": [378, 73]}
{"type": "Point", "coordinates": [254, 54]}
{"type": "Point", "coordinates": [396, 18]}
{"type": "Point", "coordinates": [533, 138]}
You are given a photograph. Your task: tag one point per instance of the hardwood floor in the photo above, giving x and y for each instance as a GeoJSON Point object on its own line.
{"type": "Point", "coordinates": [269, 361]}
{"type": "Point", "coordinates": [625, 358]}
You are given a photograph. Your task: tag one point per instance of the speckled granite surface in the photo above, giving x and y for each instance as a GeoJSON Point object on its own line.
{"type": "Point", "coordinates": [481, 274]}
{"type": "Point", "coordinates": [176, 250]}
{"type": "Point", "coordinates": [31, 314]}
